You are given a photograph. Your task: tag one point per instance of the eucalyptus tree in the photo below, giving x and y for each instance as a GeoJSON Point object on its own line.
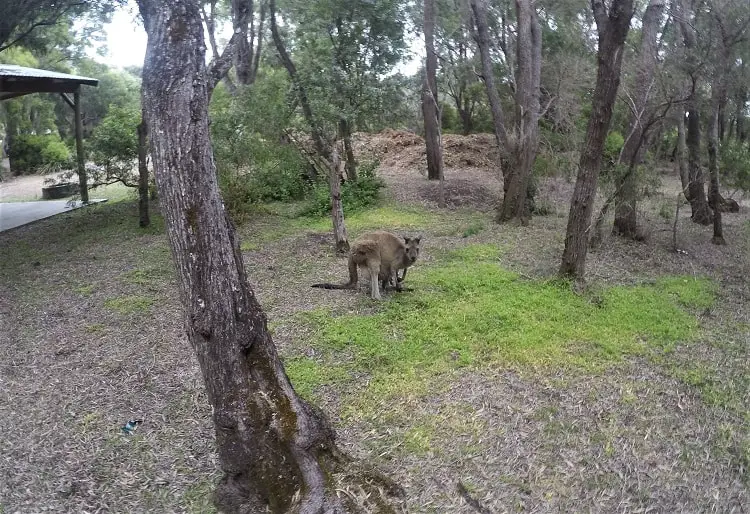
{"type": "Point", "coordinates": [613, 24]}
{"type": "Point", "coordinates": [276, 452]}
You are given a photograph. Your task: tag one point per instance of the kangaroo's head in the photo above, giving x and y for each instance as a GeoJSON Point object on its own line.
{"type": "Point", "coordinates": [412, 248]}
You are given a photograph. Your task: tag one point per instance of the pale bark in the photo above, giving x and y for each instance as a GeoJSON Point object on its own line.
{"type": "Point", "coordinates": [528, 77]}
{"type": "Point", "coordinates": [80, 159]}
{"type": "Point", "coordinates": [696, 191]}
{"type": "Point", "coordinates": [681, 153]}
{"type": "Point", "coordinates": [276, 453]}
{"type": "Point", "coordinates": [337, 208]}
{"type": "Point", "coordinates": [430, 105]}
{"type": "Point", "coordinates": [613, 28]}
{"type": "Point", "coordinates": [626, 223]}
{"type": "Point", "coordinates": [143, 216]}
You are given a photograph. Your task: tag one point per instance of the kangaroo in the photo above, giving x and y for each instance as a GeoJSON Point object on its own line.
{"type": "Point", "coordinates": [383, 254]}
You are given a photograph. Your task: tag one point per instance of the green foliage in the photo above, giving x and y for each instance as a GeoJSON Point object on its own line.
{"type": "Point", "coordinates": [31, 153]}
{"type": "Point", "coordinates": [254, 160]}
{"type": "Point", "coordinates": [113, 146]}
{"type": "Point", "coordinates": [472, 312]}
{"type": "Point", "coordinates": [612, 146]}
{"type": "Point", "coordinates": [735, 165]}
{"type": "Point", "coordinates": [355, 195]}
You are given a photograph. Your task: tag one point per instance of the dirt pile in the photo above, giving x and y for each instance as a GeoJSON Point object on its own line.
{"type": "Point", "coordinates": [402, 150]}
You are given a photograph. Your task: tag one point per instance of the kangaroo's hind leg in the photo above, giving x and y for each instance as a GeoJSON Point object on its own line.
{"type": "Point", "coordinates": [373, 266]}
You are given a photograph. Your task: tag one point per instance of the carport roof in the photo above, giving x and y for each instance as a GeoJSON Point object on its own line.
{"type": "Point", "coordinates": [19, 80]}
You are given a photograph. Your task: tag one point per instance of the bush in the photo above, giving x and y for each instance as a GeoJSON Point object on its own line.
{"type": "Point", "coordinates": [735, 166]}
{"type": "Point", "coordinates": [113, 146]}
{"type": "Point", "coordinates": [355, 196]}
{"type": "Point", "coordinates": [31, 153]}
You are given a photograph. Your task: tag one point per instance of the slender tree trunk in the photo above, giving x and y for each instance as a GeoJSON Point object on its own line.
{"type": "Point", "coordinates": [701, 213]}
{"type": "Point", "coordinates": [464, 111]}
{"type": "Point", "coordinates": [345, 133]}
{"type": "Point", "coordinates": [144, 219]}
{"type": "Point", "coordinates": [713, 169]}
{"type": "Point", "coordinates": [318, 140]}
{"type": "Point", "coordinates": [337, 208]}
{"type": "Point", "coordinates": [681, 153]}
{"type": "Point", "coordinates": [528, 76]}
{"type": "Point", "coordinates": [626, 223]}
{"type": "Point", "coordinates": [430, 104]}
{"type": "Point", "coordinates": [80, 158]}
{"type": "Point", "coordinates": [740, 115]}
{"type": "Point", "coordinates": [277, 454]}
{"type": "Point", "coordinates": [613, 28]}
{"type": "Point", "coordinates": [482, 37]}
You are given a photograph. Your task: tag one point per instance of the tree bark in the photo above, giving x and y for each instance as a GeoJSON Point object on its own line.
{"type": "Point", "coordinates": [337, 208]}
{"type": "Point", "coordinates": [80, 158]}
{"type": "Point", "coordinates": [682, 164]}
{"type": "Point", "coordinates": [276, 453]}
{"type": "Point", "coordinates": [626, 223]}
{"type": "Point", "coordinates": [482, 38]}
{"type": "Point", "coordinates": [528, 76]}
{"type": "Point", "coordinates": [696, 192]}
{"type": "Point", "coordinates": [246, 54]}
{"type": "Point", "coordinates": [143, 216]}
{"type": "Point", "coordinates": [740, 116]}
{"type": "Point", "coordinates": [345, 133]}
{"type": "Point", "coordinates": [430, 105]}
{"type": "Point", "coordinates": [613, 28]}
{"type": "Point", "coordinates": [321, 146]}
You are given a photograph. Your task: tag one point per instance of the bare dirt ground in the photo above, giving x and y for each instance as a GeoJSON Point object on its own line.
{"type": "Point", "coordinates": [91, 337]}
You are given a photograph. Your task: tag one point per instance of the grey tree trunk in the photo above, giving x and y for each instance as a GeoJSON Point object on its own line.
{"type": "Point", "coordinates": [528, 77]}
{"type": "Point", "coordinates": [246, 54]}
{"type": "Point", "coordinates": [613, 28]}
{"type": "Point", "coordinates": [626, 223]}
{"type": "Point", "coordinates": [337, 208]}
{"type": "Point", "coordinates": [430, 105]}
{"type": "Point", "coordinates": [482, 37]}
{"type": "Point", "coordinates": [277, 454]}
{"type": "Point", "coordinates": [696, 191]}
{"type": "Point", "coordinates": [144, 219]}
{"type": "Point", "coordinates": [345, 133]}
{"type": "Point", "coordinates": [80, 158]}
{"type": "Point", "coordinates": [681, 154]}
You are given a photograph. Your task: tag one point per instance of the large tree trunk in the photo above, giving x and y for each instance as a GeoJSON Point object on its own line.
{"type": "Point", "coordinates": [143, 217]}
{"type": "Point", "coordinates": [337, 208]}
{"type": "Point", "coordinates": [626, 223]}
{"type": "Point", "coordinates": [430, 105]}
{"type": "Point", "coordinates": [713, 169]}
{"type": "Point", "coordinates": [528, 76]}
{"type": "Point", "coordinates": [277, 454]}
{"type": "Point", "coordinates": [613, 28]}
{"type": "Point", "coordinates": [318, 140]}
{"type": "Point", "coordinates": [740, 114]}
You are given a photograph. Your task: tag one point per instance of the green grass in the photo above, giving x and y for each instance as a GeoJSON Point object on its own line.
{"type": "Point", "coordinates": [468, 310]}
{"type": "Point", "coordinates": [130, 304]}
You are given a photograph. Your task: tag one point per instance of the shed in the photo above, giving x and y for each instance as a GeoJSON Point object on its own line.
{"type": "Point", "coordinates": [19, 80]}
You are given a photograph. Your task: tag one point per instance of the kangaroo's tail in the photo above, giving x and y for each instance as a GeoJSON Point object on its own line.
{"type": "Point", "coordinates": [333, 286]}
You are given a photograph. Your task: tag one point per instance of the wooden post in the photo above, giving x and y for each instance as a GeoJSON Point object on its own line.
{"type": "Point", "coordinates": [79, 146]}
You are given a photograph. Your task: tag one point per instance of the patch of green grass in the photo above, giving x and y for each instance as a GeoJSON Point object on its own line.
{"type": "Point", "coordinates": [469, 311]}
{"type": "Point", "coordinates": [307, 374]}
{"type": "Point", "coordinates": [130, 304]}
{"type": "Point", "coordinates": [473, 229]}
{"type": "Point", "coordinates": [95, 328]}
{"type": "Point", "coordinates": [148, 275]}
{"type": "Point", "coordinates": [84, 290]}
{"type": "Point", "coordinates": [199, 498]}
{"type": "Point", "coordinates": [387, 216]}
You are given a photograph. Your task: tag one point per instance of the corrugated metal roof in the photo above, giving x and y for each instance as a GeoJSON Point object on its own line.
{"type": "Point", "coordinates": [21, 72]}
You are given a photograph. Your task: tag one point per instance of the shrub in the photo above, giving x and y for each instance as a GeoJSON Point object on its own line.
{"type": "Point", "coordinates": [32, 153]}
{"type": "Point", "coordinates": [113, 146]}
{"type": "Point", "coordinates": [735, 166]}
{"type": "Point", "coordinates": [355, 196]}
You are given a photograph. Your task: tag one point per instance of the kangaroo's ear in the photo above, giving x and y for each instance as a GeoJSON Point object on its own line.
{"type": "Point", "coordinates": [407, 239]}
{"type": "Point", "coordinates": [418, 238]}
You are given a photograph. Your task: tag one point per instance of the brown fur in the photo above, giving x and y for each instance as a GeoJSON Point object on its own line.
{"type": "Point", "coordinates": [383, 254]}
